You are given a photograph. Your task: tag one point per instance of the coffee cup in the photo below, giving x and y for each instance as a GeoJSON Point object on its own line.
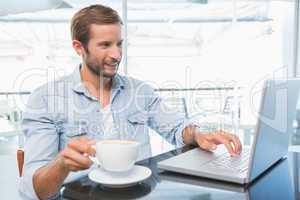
{"type": "Point", "coordinates": [116, 155]}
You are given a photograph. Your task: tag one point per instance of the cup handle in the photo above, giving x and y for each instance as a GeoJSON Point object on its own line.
{"type": "Point", "coordinates": [93, 158]}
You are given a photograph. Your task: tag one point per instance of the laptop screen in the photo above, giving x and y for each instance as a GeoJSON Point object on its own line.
{"type": "Point", "coordinates": [277, 112]}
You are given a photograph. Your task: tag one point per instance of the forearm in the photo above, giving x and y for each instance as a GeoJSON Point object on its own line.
{"type": "Point", "coordinates": [47, 180]}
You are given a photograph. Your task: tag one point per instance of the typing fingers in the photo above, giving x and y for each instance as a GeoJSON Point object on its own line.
{"type": "Point", "coordinates": [231, 142]}
{"type": "Point", "coordinates": [204, 142]}
{"type": "Point", "coordinates": [236, 143]}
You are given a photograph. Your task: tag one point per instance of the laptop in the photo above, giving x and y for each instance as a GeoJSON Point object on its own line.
{"type": "Point", "coordinates": [270, 142]}
{"type": "Point", "coordinates": [263, 188]}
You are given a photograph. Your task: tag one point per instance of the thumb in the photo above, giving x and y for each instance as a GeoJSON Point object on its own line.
{"type": "Point", "coordinates": [207, 145]}
{"type": "Point", "coordinates": [92, 142]}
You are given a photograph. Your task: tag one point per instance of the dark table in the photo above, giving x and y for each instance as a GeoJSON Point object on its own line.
{"type": "Point", "coordinates": [276, 183]}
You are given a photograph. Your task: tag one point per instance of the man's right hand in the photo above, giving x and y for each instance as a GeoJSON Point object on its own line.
{"type": "Point", "coordinates": [74, 156]}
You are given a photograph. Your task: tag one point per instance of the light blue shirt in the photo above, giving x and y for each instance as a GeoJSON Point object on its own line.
{"type": "Point", "coordinates": [64, 109]}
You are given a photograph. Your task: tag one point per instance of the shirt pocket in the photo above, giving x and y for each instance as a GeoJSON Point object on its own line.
{"type": "Point", "coordinates": [69, 130]}
{"type": "Point", "coordinates": [74, 128]}
{"type": "Point", "coordinates": [137, 118]}
{"type": "Point", "coordinates": [137, 128]}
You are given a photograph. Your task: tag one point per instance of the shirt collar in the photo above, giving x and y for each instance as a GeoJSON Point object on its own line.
{"type": "Point", "coordinates": [118, 82]}
{"type": "Point", "coordinates": [77, 82]}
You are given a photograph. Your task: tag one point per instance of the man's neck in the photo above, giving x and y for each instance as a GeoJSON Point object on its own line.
{"type": "Point", "coordinates": [97, 86]}
{"type": "Point", "coordinates": [93, 81]}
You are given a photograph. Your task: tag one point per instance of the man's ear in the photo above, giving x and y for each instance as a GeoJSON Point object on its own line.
{"type": "Point", "coordinates": [78, 47]}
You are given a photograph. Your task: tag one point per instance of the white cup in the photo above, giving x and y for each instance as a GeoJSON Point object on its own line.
{"type": "Point", "coordinates": [116, 155]}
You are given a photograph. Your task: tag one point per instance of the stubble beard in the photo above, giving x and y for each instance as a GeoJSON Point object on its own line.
{"type": "Point", "coordinates": [97, 70]}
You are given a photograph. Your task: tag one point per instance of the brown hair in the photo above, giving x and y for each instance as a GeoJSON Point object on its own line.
{"type": "Point", "coordinates": [94, 14]}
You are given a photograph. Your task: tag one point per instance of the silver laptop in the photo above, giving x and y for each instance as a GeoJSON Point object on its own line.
{"type": "Point", "coordinates": [270, 144]}
{"type": "Point", "coordinates": [263, 188]}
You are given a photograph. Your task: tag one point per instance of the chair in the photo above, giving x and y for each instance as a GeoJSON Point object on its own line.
{"type": "Point", "coordinates": [12, 118]}
{"type": "Point", "coordinates": [20, 159]}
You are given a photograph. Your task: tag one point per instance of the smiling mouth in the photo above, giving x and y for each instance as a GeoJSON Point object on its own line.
{"type": "Point", "coordinates": [112, 65]}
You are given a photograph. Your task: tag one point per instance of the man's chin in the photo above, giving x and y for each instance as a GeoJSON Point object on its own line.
{"type": "Point", "coordinates": [108, 74]}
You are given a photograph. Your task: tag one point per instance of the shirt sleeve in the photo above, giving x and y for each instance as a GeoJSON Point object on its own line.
{"type": "Point", "coordinates": [41, 141]}
{"type": "Point", "coordinates": [165, 120]}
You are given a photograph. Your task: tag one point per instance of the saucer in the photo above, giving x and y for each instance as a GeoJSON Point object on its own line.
{"type": "Point", "coordinates": [120, 179]}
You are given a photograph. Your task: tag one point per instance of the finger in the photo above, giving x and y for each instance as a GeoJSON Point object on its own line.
{"type": "Point", "coordinates": [224, 139]}
{"type": "Point", "coordinates": [92, 150]}
{"type": "Point", "coordinates": [81, 145]}
{"type": "Point", "coordinates": [77, 157]}
{"type": "Point", "coordinates": [92, 142]}
{"type": "Point", "coordinates": [83, 138]}
{"type": "Point", "coordinates": [206, 145]}
{"type": "Point", "coordinates": [229, 147]}
{"type": "Point", "coordinates": [73, 166]}
{"type": "Point", "coordinates": [87, 140]}
{"type": "Point", "coordinates": [237, 144]}
{"type": "Point", "coordinates": [214, 137]}
{"type": "Point", "coordinates": [234, 141]}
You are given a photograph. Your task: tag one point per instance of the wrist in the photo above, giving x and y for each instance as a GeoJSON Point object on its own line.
{"type": "Point", "coordinates": [60, 161]}
{"type": "Point", "coordinates": [190, 135]}
{"type": "Point", "coordinates": [199, 131]}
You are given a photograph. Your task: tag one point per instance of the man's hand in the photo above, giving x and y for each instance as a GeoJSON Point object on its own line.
{"type": "Point", "coordinates": [48, 179]}
{"type": "Point", "coordinates": [209, 141]}
{"type": "Point", "coordinates": [74, 155]}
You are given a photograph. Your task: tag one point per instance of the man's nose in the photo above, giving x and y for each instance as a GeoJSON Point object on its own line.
{"type": "Point", "coordinates": [116, 53]}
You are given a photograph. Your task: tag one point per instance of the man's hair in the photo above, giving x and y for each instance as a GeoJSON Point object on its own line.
{"type": "Point", "coordinates": [94, 14]}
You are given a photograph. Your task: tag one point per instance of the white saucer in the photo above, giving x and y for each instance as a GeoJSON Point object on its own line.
{"type": "Point", "coordinates": [120, 179]}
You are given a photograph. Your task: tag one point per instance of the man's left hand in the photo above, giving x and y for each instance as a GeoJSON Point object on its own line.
{"type": "Point", "coordinates": [209, 141]}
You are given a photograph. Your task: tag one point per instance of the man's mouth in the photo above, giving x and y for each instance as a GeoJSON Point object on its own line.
{"type": "Point", "coordinates": [112, 65]}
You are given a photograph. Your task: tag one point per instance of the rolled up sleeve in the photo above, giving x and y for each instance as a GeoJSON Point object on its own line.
{"type": "Point", "coordinates": [41, 144]}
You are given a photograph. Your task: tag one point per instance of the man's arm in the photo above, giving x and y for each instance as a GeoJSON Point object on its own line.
{"type": "Point", "coordinates": [176, 130]}
{"type": "Point", "coordinates": [210, 140]}
{"type": "Point", "coordinates": [45, 168]}
{"type": "Point", "coordinates": [47, 180]}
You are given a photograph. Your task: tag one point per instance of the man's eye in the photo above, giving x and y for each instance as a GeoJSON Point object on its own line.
{"type": "Point", "coordinates": [105, 45]}
{"type": "Point", "coordinates": [120, 44]}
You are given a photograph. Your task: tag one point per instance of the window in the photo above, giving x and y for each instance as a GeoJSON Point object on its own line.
{"type": "Point", "coordinates": [179, 44]}
{"type": "Point", "coordinates": [210, 44]}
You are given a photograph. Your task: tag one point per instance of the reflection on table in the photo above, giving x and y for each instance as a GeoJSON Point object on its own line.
{"type": "Point", "coordinates": [276, 183]}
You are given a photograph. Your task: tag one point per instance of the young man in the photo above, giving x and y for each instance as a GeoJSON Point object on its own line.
{"type": "Point", "coordinates": [65, 117]}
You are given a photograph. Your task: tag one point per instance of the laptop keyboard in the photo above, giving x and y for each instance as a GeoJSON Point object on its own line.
{"type": "Point", "coordinates": [236, 163]}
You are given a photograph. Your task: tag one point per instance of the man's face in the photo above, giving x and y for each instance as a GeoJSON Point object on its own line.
{"type": "Point", "coordinates": [104, 50]}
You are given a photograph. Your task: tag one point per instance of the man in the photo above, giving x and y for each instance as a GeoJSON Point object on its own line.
{"type": "Point", "coordinates": [65, 117]}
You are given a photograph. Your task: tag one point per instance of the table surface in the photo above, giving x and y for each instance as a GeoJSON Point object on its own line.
{"type": "Point", "coordinates": [276, 183]}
